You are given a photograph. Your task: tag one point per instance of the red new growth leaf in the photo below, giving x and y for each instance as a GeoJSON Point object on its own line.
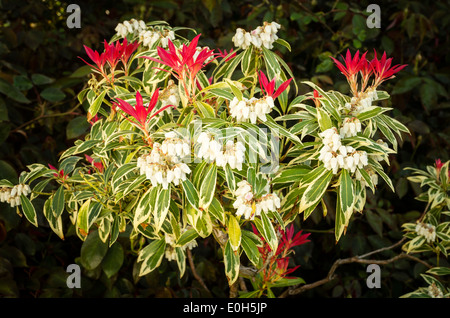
{"type": "Point", "coordinates": [352, 65]}
{"type": "Point", "coordinates": [224, 54]}
{"type": "Point", "coordinates": [140, 113]}
{"type": "Point", "coordinates": [382, 68]}
{"type": "Point", "coordinates": [269, 87]}
{"type": "Point", "coordinates": [59, 174]}
{"type": "Point", "coordinates": [184, 60]}
{"type": "Point", "coordinates": [98, 165]}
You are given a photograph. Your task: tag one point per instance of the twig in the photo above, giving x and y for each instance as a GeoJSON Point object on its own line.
{"type": "Point", "coordinates": [355, 259]}
{"type": "Point", "coordinates": [194, 272]}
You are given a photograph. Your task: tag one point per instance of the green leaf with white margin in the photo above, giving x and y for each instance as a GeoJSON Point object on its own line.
{"type": "Point", "coordinates": [151, 256]}
{"type": "Point", "coordinates": [144, 207]}
{"type": "Point", "coordinates": [323, 119]}
{"type": "Point", "coordinates": [417, 242]}
{"type": "Point", "coordinates": [250, 248]}
{"type": "Point", "coordinates": [229, 176]}
{"type": "Point", "coordinates": [346, 194]}
{"type": "Point", "coordinates": [83, 220]}
{"type": "Point", "coordinates": [315, 190]}
{"type": "Point", "coordinates": [191, 193]}
{"type": "Point", "coordinates": [181, 260]}
{"type": "Point", "coordinates": [379, 169]}
{"type": "Point", "coordinates": [121, 172]}
{"type": "Point", "coordinates": [231, 262]}
{"type": "Point", "coordinates": [55, 223]}
{"type": "Point", "coordinates": [236, 91]}
{"type": "Point", "coordinates": [205, 109]}
{"type": "Point", "coordinates": [95, 106]}
{"type": "Point", "coordinates": [186, 237]}
{"type": "Point", "coordinates": [280, 130]}
{"type": "Point", "coordinates": [234, 232]}
{"type": "Point", "coordinates": [216, 210]}
{"type": "Point", "coordinates": [265, 228]}
{"type": "Point", "coordinates": [28, 210]}
{"type": "Point", "coordinates": [161, 208]}
{"type": "Point", "coordinates": [339, 226]}
{"type": "Point", "coordinates": [208, 186]}
{"type": "Point", "coordinates": [440, 271]}
{"type": "Point", "coordinates": [58, 202]}
{"type": "Point", "coordinates": [6, 183]}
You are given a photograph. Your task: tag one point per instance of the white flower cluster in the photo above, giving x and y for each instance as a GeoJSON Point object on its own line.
{"type": "Point", "coordinates": [210, 149]}
{"type": "Point", "coordinates": [426, 230]}
{"type": "Point", "coordinates": [132, 26]}
{"type": "Point", "coordinates": [350, 127]}
{"type": "Point", "coordinates": [149, 37]}
{"type": "Point", "coordinates": [358, 105]}
{"type": "Point", "coordinates": [170, 253]}
{"type": "Point", "coordinates": [263, 35]}
{"type": "Point", "coordinates": [251, 109]}
{"type": "Point", "coordinates": [434, 291]}
{"type": "Point", "coordinates": [334, 155]}
{"type": "Point", "coordinates": [169, 96]}
{"type": "Point", "coordinates": [12, 196]}
{"type": "Point", "coordinates": [248, 206]}
{"type": "Point", "coordinates": [163, 165]}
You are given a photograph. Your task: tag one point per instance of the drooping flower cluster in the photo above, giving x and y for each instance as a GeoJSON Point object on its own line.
{"type": "Point", "coordinates": [426, 230]}
{"type": "Point", "coordinates": [212, 150]}
{"type": "Point", "coordinates": [249, 206]}
{"type": "Point", "coordinates": [12, 195]}
{"type": "Point", "coordinates": [132, 26]}
{"type": "Point", "coordinates": [336, 156]}
{"type": "Point", "coordinates": [350, 127]}
{"type": "Point", "coordinates": [434, 291]}
{"type": "Point", "coordinates": [150, 36]}
{"type": "Point", "coordinates": [170, 252]}
{"type": "Point", "coordinates": [359, 104]}
{"type": "Point", "coordinates": [164, 163]}
{"type": "Point", "coordinates": [251, 109]}
{"type": "Point", "coordinates": [169, 96]}
{"type": "Point", "coordinates": [264, 35]}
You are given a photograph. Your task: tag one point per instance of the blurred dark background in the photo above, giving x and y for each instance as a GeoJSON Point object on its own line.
{"type": "Point", "coordinates": [41, 74]}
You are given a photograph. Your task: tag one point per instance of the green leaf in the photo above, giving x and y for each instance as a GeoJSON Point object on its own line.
{"type": "Point", "coordinates": [205, 109]}
{"type": "Point", "coordinates": [250, 248]}
{"type": "Point", "coordinates": [93, 251]}
{"type": "Point", "coordinates": [22, 82]}
{"type": "Point", "coordinates": [77, 127]}
{"type": "Point", "coordinates": [121, 172]}
{"type": "Point", "coordinates": [231, 262]}
{"type": "Point", "coordinates": [417, 242]}
{"type": "Point", "coordinates": [265, 228]}
{"type": "Point", "coordinates": [83, 220]}
{"type": "Point", "coordinates": [315, 190]}
{"type": "Point", "coordinates": [40, 79]}
{"type": "Point", "coordinates": [53, 94]}
{"type": "Point", "coordinates": [323, 119]}
{"type": "Point", "coordinates": [346, 194]}
{"type": "Point", "coordinates": [286, 282]}
{"type": "Point", "coordinates": [440, 271]}
{"type": "Point", "coordinates": [58, 202]}
{"type": "Point", "coordinates": [280, 130]}
{"type": "Point", "coordinates": [161, 208]}
{"type": "Point", "coordinates": [234, 232]}
{"type": "Point", "coordinates": [236, 91]}
{"type": "Point", "coordinates": [151, 256]}
{"type": "Point", "coordinates": [113, 260]}
{"type": "Point", "coordinates": [229, 176]}
{"type": "Point", "coordinates": [208, 186]}
{"type": "Point", "coordinates": [191, 193]}
{"type": "Point", "coordinates": [216, 210]}
{"type": "Point", "coordinates": [144, 207]}
{"type": "Point", "coordinates": [28, 210]}
{"type": "Point", "coordinates": [95, 106]}
{"type": "Point", "coordinates": [181, 260]}
{"type": "Point", "coordinates": [187, 236]}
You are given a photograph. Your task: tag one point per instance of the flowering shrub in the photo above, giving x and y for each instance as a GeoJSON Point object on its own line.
{"type": "Point", "coordinates": [187, 143]}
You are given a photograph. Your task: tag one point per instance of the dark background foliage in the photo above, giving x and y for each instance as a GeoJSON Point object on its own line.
{"type": "Point", "coordinates": [40, 76]}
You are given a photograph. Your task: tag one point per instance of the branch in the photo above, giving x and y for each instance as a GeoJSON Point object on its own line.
{"type": "Point", "coordinates": [194, 272]}
{"type": "Point", "coordinates": [355, 259]}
